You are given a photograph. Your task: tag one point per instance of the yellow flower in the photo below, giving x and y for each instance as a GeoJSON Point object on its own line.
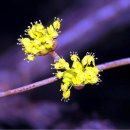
{"type": "Point", "coordinates": [64, 87]}
{"type": "Point", "coordinates": [74, 56]}
{"type": "Point", "coordinates": [40, 40]}
{"type": "Point", "coordinates": [66, 95]}
{"type": "Point", "coordinates": [59, 74]}
{"type": "Point", "coordinates": [88, 59]}
{"type": "Point", "coordinates": [80, 73]}
{"type": "Point", "coordinates": [30, 57]}
{"type": "Point", "coordinates": [52, 32]}
{"type": "Point", "coordinates": [57, 23]}
{"type": "Point", "coordinates": [61, 64]}
{"type": "Point", "coordinates": [37, 30]}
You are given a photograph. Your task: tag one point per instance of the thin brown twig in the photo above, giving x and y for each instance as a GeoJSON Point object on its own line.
{"type": "Point", "coordinates": [54, 55]}
{"type": "Point", "coordinates": [113, 64]}
{"type": "Point", "coordinates": [29, 87]}
{"type": "Point", "coordinates": [101, 67]}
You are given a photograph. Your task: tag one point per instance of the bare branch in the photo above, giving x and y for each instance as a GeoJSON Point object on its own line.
{"type": "Point", "coordinates": [113, 64]}
{"type": "Point", "coordinates": [28, 87]}
{"type": "Point", "coordinates": [101, 67]}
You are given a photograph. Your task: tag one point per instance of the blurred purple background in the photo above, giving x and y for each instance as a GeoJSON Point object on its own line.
{"type": "Point", "coordinates": [99, 26]}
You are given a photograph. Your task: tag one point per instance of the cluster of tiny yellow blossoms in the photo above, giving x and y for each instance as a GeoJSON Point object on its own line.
{"type": "Point", "coordinates": [81, 72]}
{"type": "Point", "coordinates": [40, 40]}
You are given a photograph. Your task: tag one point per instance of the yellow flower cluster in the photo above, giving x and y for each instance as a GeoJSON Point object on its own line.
{"type": "Point", "coordinates": [40, 40]}
{"type": "Point", "coordinates": [80, 73]}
